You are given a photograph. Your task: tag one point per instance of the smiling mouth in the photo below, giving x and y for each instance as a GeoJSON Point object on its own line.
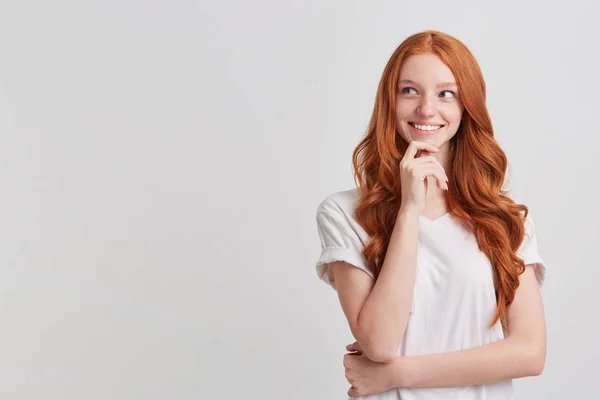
{"type": "Point", "coordinates": [425, 128]}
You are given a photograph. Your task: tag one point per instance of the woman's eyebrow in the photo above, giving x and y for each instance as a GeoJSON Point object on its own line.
{"type": "Point", "coordinates": [408, 81]}
{"type": "Point", "coordinates": [439, 85]}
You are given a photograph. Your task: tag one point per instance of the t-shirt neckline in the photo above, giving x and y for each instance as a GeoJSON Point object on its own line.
{"type": "Point", "coordinates": [435, 221]}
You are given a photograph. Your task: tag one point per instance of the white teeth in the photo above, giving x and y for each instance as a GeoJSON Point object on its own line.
{"type": "Point", "coordinates": [427, 127]}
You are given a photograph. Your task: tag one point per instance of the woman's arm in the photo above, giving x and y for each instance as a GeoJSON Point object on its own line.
{"type": "Point", "coordinates": [378, 312]}
{"type": "Point", "coordinates": [521, 354]}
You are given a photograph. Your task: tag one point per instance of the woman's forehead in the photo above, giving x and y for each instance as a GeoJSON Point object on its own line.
{"type": "Point", "coordinates": [426, 68]}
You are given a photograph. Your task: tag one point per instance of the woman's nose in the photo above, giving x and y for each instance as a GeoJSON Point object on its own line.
{"type": "Point", "coordinates": [426, 107]}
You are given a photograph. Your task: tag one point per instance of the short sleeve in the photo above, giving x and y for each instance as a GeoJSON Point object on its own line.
{"type": "Point", "coordinates": [529, 251]}
{"type": "Point", "coordinates": [339, 242]}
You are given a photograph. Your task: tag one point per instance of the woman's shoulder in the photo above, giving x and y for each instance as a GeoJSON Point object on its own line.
{"type": "Point", "coordinates": [339, 208]}
{"type": "Point", "coordinates": [343, 202]}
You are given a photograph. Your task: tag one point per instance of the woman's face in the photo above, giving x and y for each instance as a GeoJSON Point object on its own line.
{"type": "Point", "coordinates": [428, 106]}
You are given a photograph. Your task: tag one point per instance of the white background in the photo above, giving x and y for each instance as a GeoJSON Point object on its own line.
{"type": "Point", "coordinates": [161, 164]}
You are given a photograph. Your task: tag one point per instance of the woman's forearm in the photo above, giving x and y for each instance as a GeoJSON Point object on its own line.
{"type": "Point", "coordinates": [505, 359]}
{"type": "Point", "coordinates": [386, 311]}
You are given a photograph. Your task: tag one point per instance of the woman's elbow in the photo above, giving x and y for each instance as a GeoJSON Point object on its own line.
{"type": "Point", "coordinates": [537, 366]}
{"type": "Point", "coordinates": [536, 360]}
{"type": "Point", "coordinates": [377, 347]}
{"type": "Point", "coordinates": [380, 354]}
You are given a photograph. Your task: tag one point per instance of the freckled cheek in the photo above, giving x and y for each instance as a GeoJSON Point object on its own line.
{"type": "Point", "coordinates": [403, 113]}
{"type": "Point", "coordinates": [403, 110]}
{"type": "Point", "coordinates": [451, 115]}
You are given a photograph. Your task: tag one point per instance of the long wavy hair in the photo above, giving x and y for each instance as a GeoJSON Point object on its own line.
{"type": "Point", "coordinates": [476, 169]}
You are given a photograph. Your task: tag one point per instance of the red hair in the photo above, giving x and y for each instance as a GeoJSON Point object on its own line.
{"type": "Point", "coordinates": [476, 169]}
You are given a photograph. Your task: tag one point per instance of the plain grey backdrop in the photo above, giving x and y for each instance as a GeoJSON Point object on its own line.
{"type": "Point", "coordinates": [161, 164]}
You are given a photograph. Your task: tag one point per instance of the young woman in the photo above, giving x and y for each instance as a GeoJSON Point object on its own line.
{"type": "Point", "coordinates": [436, 268]}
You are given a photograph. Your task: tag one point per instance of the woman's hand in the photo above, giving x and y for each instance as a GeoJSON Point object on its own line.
{"type": "Point", "coordinates": [414, 170]}
{"type": "Point", "coordinates": [365, 376]}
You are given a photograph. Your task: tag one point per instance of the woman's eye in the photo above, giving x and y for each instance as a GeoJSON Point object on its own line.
{"type": "Point", "coordinates": [407, 90]}
{"type": "Point", "coordinates": [449, 94]}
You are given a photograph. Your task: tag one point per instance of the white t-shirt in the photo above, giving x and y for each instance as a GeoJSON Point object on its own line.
{"type": "Point", "coordinates": [454, 299]}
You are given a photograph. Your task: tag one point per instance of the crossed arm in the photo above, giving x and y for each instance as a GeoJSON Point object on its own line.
{"type": "Point", "coordinates": [522, 353]}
